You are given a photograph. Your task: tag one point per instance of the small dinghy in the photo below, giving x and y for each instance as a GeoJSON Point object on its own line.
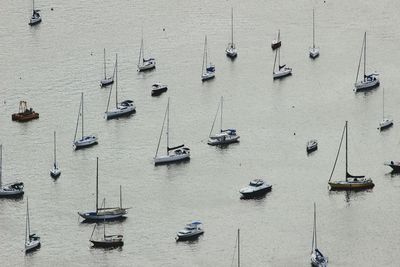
{"type": "Point", "coordinates": [395, 165]}
{"type": "Point", "coordinates": [32, 242]}
{"type": "Point", "coordinates": [158, 89]}
{"type": "Point", "coordinates": [312, 145]}
{"type": "Point", "coordinates": [191, 231]}
{"type": "Point", "coordinates": [24, 114]}
{"type": "Point", "coordinates": [256, 187]}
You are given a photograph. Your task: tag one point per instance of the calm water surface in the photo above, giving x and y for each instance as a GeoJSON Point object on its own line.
{"type": "Point", "coordinates": [51, 64]}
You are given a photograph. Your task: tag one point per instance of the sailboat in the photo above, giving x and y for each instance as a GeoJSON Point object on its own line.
{"type": "Point", "coordinates": [282, 70]}
{"type": "Point", "coordinates": [367, 81]}
{"type": "Point", "coordinates": [208, 70]}
{"type": "Point", "coordinates": [15, 189]}
{"type": "Point", "coordinates": [35, 18]}
{"type": "Point", "coordinates": [55, 172]}
{"type": "Point", "coordinates": [317, 258]}
{"type": "Point", "coordinates": [123, 108]}
{"type": "Point", "coordinates": [32, 241]}
{"type": "Point", "coordinates": [314, 51]}
{"type": "Point", "coordinates": [106, 241]}
{"type": "Point", "coordinates": [86, 140]}
{"type": "Point", "coordinates": [351, 182]}
{"type": "Point", "coordinates": [101, 213]}
{"type": "Point", "coordinates": [386, 122]}
{"type": "Point", "coordinates": [231, 50]}
{"type": "Point", "coordinates": [174, 154]}
{"type": "Point", "coordinates": [143, 63]}
{"type": "Point", "coordinates": [277, 42]}
{"type": "Point", "coordinates": [223, 137]}
{"type": "Point", "coordinates": [107, 80]}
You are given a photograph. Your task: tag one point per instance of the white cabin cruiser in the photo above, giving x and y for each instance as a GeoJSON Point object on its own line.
{"type": "Point", "coordinates": [191, 231]}
{"type": "Point", "coordinates": [10, 190]}
{"type": "Point", "coordinates": [312, 145]}
{"type": "Point", "coordinates": [158, 89]}
{"type": "Point", "coordinates": [255, 188]}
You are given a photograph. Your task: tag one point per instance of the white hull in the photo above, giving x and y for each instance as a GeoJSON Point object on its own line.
{"type": "Point", "coordinates": [32, 245]}
{"type": "Point", "coordinates": [171, 158]}
{"type": "Point", "coordinates": [231, 52]}
{"type": "Point", "coordinates": [322, 262]}
{"type": "Point", "coordinates": [10, 192]}
{"type": "Point", "coordinates": [224, 140]}
{"type": "Point", "coordinates": [85, 141]}
{"type": "Point", "coordinates": [385, 123]}
{"type": "Point", "coordinates": [106, 81]}
{"type": "Point", "coordinates": [314, 52]}
{"type": "Point", "coordinates": [282, 73]}
{"type": "Point", "coordinates": [207, 76]}
{"type": "Point", "coordinates": [120, 111]}
{"type": "Point", "coordinates": [362, 85]}
{"type": "Point", "coordinates": [147, 65]}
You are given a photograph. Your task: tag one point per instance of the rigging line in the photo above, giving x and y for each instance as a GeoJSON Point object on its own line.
{"type": "Point", "coordinates": [215, 118]}
{"type": "Point", "coordinates": [109, 94]}
{"type": "Point", "coordinates": [162, 128]}
{"type": "Point", "coordinates": [234, 251]}
{"type": "Point", "coordinates": [337, 155]}
{"type": "Point", "coordinates": [77, 120]}
{"type": "Point", "coordinates": [359, 61]}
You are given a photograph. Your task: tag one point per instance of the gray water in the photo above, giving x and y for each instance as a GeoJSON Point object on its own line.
{"type": "Point", "coordinates": [49, 65]}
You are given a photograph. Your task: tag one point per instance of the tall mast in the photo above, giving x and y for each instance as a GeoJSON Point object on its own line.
{"type": "Point", "coordinates": [33, 5]}
{"type": "Point", "coordinates": [27, 218]}
{"type": "Point", "coordinates": [141, 48]}
{"type": "Point", "coordinates": [204, 55]}
{"type": "Point", "coordinates": [162, 129]}
{"type": "Point", "coordinates": [1, 161]}
{"type": "Point", "coordinates": [120, 196]}
{"type": "Point", "coordinates": [276, 54]}
{"type": "Point", "coordinates": [104, 221]}
{"type": "Point", "coordinates": [346, 151]}
{"type": "Point", "coordinates": [105, 75]}
{"type": "Point", "coordinates": [365, 52]}
{"type": "Point", "coordinates": [205, 50]}
{"type": "Point", "coordinates": [168, 127]}
{"type": "Point", "coordinates": [279, 35]}
{"type": "Point", "coordinates": [279, 58]}
{"type": "Point", "coordinates": [97, 184]}
{"type": "Point", "coordinates": [315, 225]}
{"type": "Point", "coordinates": [313, 29]}
{"type": "Point", "coordinates": [222, 102]}
{"type": "Point", "coordinates": [55, 158]}
{"type": "Point", "coordinates": [82, 112]}
{"type": "Point", "coordinates": [232, 26]}
{"type": "Point", "coordinates": [383, 103]}
{"type": "Point", "coordinates": [116, 80]}
{"type": "Point", "coordinates": [77, 120]}
{"type": "Point", "coordinates": [238, 247]}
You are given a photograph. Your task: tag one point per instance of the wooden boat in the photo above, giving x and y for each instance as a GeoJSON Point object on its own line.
{"type": "Point", "coordinates": [32, 241]}
{"type": "Point", "coordinates": [174, 154]}
{"type": "Point", "coordinates": [55, 172]}
{"type": "Point", "coordinates": [11, 190]}
{"type": "Point", "coordinates": [224, 136]}
{"type": "Point", "coordinates": [24, 114]}
{"type": "Point", "coordinates": [277, 42]}
{"type": "Point", "coordinates": [351, 182]}
{"type": "Point", "coordinates": [368, 81]}
{"type": "Point", "coordinates": [317, 258]}
{"type": "Point", "coordinates": [106, 241]}
{"type": "Point", "coordinates": [101, 214]}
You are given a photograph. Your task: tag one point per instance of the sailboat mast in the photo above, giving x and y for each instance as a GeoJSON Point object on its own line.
{"type": "Point", "coordinates": [82, 112]}
{"type": "Point", "coordinates": [162, 128]}
{"type": "Point", "coordinates": [205, 49]}
{"type": "Point", "coordinates": [383, 103]}
{"type": "Point", "coordinates": [120, 196]}
{"type": "Point", "coordinates": [77, 120]}
{"type": "Point", "coordinates": [232, 26]}
{"type": "Point", "coordinates": [55, 158]}
{"type": "Point", "coordinates": [238, 247]}
{"type": "Point", "coordinates": [279, 58]}
{"type": "Point", "coordinates": [116, 80]}
{"type": "Point", "coordinates": [105, 75]}
{"type": "Point", "coordinates": [276, 53]}
{"type": "Point", "coordinates": [168, 127]}
{"type": "Point", "coordinates": [222, 103]}
{"type": "Point", "coordinates": [33, 5]}
{"type": "Point", "coordinates": [346, 151]}
{"type": "Point", "coordinates": [27, 218]}
{"type": "Point", "coordinates": [1, 162]}
{"type": "Point", "coordinates": [97, 185]}
{"type": "Point", "coordinates": [315, 225]}
{"type": "Point", "coordinates": [365, 52]}
{"type": "Point", "coordinates": [313, 29]}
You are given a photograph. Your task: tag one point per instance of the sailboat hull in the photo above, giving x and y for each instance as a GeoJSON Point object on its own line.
{"type": "Point", "coordinates": [275, 44]}
{"type": "Point", "coordinates": [147, 66]}
{"type": "Point", "coordinates": [282, 73]}
{"type": "Point", "coordinates": [32, 245]}
{"type": "Point", "coordinates": [7, 193]}
{"type": "Point", "coordinates": [223, 141]}
{"type": "Point", "coordinates": [351, 185]}
{"type": "Point", "coordinates": [386, 123]}
{"type": "Point", "coordinates": [106, 82]}
{"type": "Point", "coordinates": [93, 216]}
{"type": "Point", "coordinates": [55, 172]}
{"type": "Point", "coordinates": [107, 244]}
{"type": "Point", "coordinates": [366, 85]}
{"type": "Point", "coordinates": [86, 141]}
{"type": "Point", "coordinates": [314, 52]}
{"type": "Point", "coordinates": [35, 20]}
{"type": "Point", "coordinates": [171, 158]}
{"type": "Point", "coordinates": [207, 76]}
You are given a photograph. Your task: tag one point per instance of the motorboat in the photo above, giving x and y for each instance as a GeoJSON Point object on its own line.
{"type": "Point", "coordinates": [191, 231]}
{"type": "Point", "coordinates": [312, 145]}
{"type": "Point", "coordinates": [255, 188]}
{"type": "Point", "coordinates": [395, 165]}
{"type": "Point", "coordinates": [158, 89]}
{"type": "Point", "coordinates": [24, 114]}
{"type": "Point", "coordinates": [10, 190]}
